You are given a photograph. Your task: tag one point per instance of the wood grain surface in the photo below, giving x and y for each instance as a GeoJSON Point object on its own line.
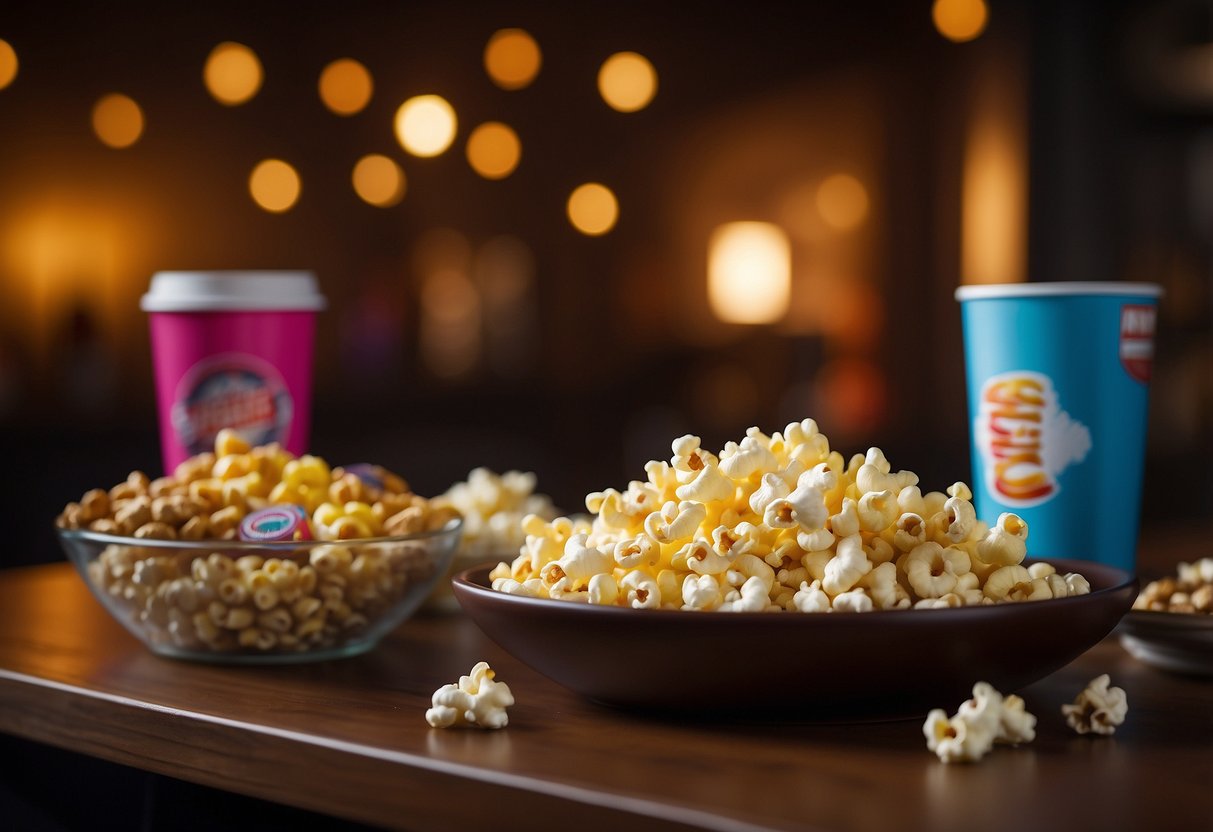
{"type": "Point", "coordinates": [348, 738]}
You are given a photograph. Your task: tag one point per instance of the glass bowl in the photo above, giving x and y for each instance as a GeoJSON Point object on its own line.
{"type": "Point", "coordinates": [261, 603]}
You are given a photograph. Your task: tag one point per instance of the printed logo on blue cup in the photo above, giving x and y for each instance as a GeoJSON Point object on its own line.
{"type": "Point", "coordinates": [232, 390]}
{"type": "Point", "coordinates": [1025, 438]}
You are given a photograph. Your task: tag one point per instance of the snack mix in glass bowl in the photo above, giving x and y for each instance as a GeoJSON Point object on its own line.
{"type": "Point", "coordinates": [251, 555]}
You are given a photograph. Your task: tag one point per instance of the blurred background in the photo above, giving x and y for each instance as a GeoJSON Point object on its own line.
{"type": "Point", "coordinates": [533, 264]}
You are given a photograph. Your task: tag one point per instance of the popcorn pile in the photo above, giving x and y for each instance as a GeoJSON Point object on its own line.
{"type": "Point", "coordinates": [476, 701]}
{"type": "Point", "coordinates": [493, 507]}
{"type": "Point", "coordinates": [1190, 591]}
{"type": "Point", "coordinates": [982, 721]}
{"type": "Point", "coordinates": [779, 522]}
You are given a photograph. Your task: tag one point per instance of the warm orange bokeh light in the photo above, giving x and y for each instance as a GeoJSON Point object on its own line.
{"type": "Point", "coordinates": [275, 186]}
{"type": "Point", "coordinates": [379, 181]}
{"type": "Point", "coordinates": [8, 64]}
{"type": "Point", "coordinates": [117, 120]}
{"type": "Point", "coordinates": [494, 150]}
{"type": "Point", "coordinates": [960, 20]}
{"type": "Point", "coordinates": [512, 58]}
{"type": "Point", "coordinates": [593, 209]}
{"type": "Point", "coordinates": [426, 125]}
{"type": "Point", "coordinates": [346, 86]}
{"type": "Point", "coordinates": [842, 202]}
{"type": "Point", "coordinates": [232, 73]}
{"type": "Point", "coordinates": [627, 82]}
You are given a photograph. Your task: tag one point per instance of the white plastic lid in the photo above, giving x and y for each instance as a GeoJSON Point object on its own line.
{"type": "Point", "coordinates": [233, 291]}
{"type": "Point", "coordinates": [1038, 290]}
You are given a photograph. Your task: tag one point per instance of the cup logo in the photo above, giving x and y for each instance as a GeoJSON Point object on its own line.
{"type": "Point", "coordinates": [235, 391]}
{"type": "Point", "coordinates": [1025, 439]}
{"type": "Point", "coordinates": [1137, 340]}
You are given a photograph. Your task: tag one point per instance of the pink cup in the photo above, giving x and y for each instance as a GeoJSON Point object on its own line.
{"type": "Point", "coordinates": [232, 349]}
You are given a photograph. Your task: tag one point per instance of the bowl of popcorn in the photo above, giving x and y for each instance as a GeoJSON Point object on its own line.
{"type": "Point", "coordinates": [251, 555]}
{"type": "Point", "coordinates": [781, 579]}
{"type": "Point", "coordinates": [1171, 624]}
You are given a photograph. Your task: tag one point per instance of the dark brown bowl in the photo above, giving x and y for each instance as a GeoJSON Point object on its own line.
{"type": "Point", "coordinates": [796, 666]}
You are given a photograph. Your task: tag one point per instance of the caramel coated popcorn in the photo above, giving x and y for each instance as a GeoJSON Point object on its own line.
{"type": "Point", "coordinates": [1191, 590]}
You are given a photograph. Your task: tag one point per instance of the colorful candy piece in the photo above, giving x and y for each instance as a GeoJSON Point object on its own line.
{"type": "Point", "coordinates": [276, 523]}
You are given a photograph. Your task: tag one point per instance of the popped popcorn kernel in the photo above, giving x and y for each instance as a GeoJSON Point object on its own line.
{"type": "Point", "coordinates": [811, 598]}
{"type": "Point", "coordinates": [781, 522]}
{"type": "Point", "coordinates": [1016, 725]}
{"type": "Point", "coordinates": [956, 740]}
{"type": "Point", "coordinates": [1098, 709]}
{"type": "Point", "coordinates": [477, 701]}
{"type": "Point", "coordinates": [988, 718]}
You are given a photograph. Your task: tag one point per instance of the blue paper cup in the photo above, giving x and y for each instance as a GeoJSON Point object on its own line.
{"type": "Point", "coordinates": [1057, 377]}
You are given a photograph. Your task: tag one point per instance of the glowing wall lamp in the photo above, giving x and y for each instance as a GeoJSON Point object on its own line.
{"type": "Point", "coordinates": [749, 272]}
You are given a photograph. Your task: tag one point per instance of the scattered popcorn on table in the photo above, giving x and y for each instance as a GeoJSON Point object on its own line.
{"type": "Point", "coordinates": [477, 701]}
{"type": "Point", "coordinates": [1098, 708]}
{"type": "Point", "coordinates": [776, 523]}
{"type": "Point", "coordinates": [982, 721]}
{"type": "Point", "coordinates": [1190, 591]}
{"type": "Point", "coordinates": [1016, 725]}
{"type": "Point", "coordinates": [956, 740]}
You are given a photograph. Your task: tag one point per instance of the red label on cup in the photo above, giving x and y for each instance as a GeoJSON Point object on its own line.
{"type": "Point", "coordinates": [232, 390]}
{"type": "Point", "coordinates": [1137, 340]}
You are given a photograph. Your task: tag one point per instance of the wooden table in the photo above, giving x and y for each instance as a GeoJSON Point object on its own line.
{"type": "Point", "coordinates": [348, 738]}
